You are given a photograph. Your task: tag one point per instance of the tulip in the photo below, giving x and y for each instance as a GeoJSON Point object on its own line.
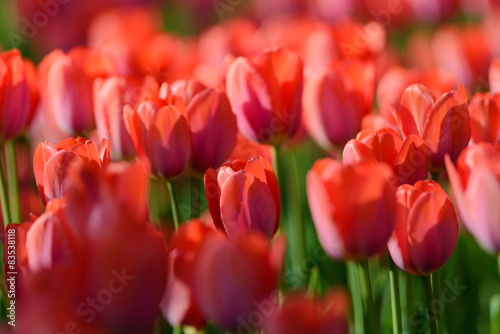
{"type": "Point", "coordinates": [244, 196]}
{"type": "Point", "coordinates": [233, 277]}
{"type": "Point", "coordinates": [352, 207]}
{"type": "Point", "coordinates": [66, 84]}
{"type": "Point", "coordinates": [299, 314]}
{"type": "Point", "coordinates": [336, 99]}
{"type": "Point", "coordinates": [476, 185]}
{"type": "Point", "coordinates": [265, 94]}
{"type": "Point", "coordinates": [442, 124]}
{"type": "Point", "coordinates": [210, 119]}
{"type": "Point", "coordinates": [110, 97]}
{"type": "Point", "coordinates": [160, 133]}
{"type": "Point", "coordinates": [17, 94]}
{"type": "Point", "coordinates": [407, 158]}
{"type": "Point", "coordinates": [51, 163]}
{"type": "Point", "coordinates": [485, 118]}
{"type": "Point", "coordinates": [426, 230]}
{"type": "Point", "coordinates": [178, 305]}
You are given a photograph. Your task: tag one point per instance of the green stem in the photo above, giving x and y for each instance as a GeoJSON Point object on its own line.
{"type": "Point", "coordinates": [498, 264]}
{"type": "Point", "coordinates": [435, 177]}
{"type": "Point", "coordinates": [174, 204]}
{"type": "Point", "coordinates": [313, 282]}
{"type": "Point", "coordinates": [353, 282]}
{"type": "Point", "coordinates": [372, 319]}
{"type": "Point", "coordinates": [429, 295]}
{"type": "Point", "coordinates": [4, 197]}
{"type": "Point", "coordinates": [397, 326]}
{"type": "Point", "coordinates": [177, 330]}
{"type": "Point", "coordinates": [436, 287]}
{"type": "Point", "coordinates": [194, 184]}
{"type": "Point", "coordinates": [275, 151]}
{"type": "Point", "coordinates": [409, 302]}
{"type": "Point", "coordinates": [11, 162]}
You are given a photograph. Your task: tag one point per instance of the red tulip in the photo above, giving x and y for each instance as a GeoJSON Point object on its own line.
{"type": "Point", "coordinates": [160, 133]}
{"type": "Point", "coordinates": [265, 94]}
{"type": "Point", "coordinates": [210, 119]}
{"type": "Point", "coordinates": [299, 314]}
{"type": "Point", "coordinates": [51, 163]}
{"type": "Point", "coordinates": [335, 101]}
{"type": "Point", "coordinates": [476, 185]}
{"type": "Point", "coordinates": [426, 230]}
{"type": "Point", "coordinates": [485, 118]}
{"type": "Point", "coordinates": [407, 158]}
{"type": "Point", "coordinates": [244, 196]}
{"type": "Point", "coordinates": [178, 305]}
{"type": "Point", "coordinates": [352, 207]}
{"type": "Point", "coordinates": [17, 94]}
{"type": "Point", "coordinates": [110, 97]}
{"type": "Point", "coordinates": [66, 84]}
{"type": "Point", "coordinates": [442, 124]}
{"type": "Point", "coordinates": [233, 276]}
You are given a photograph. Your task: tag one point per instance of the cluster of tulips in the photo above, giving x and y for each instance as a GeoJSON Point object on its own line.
{"type": "Point", "coordinates": [139, 119]}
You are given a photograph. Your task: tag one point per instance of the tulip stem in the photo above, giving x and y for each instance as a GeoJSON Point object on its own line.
{"type": "Point", "coordinates": [11, 162]}
{"type": "Point", "coordinates": [397, 327]}
{"type": "Point", "coordinates": [173, 204]}
{"type": "Point", "coordinates": [498, 264]}
{"type": "Point", "coordinates": [436, 286]}
{"type": "Point", "coordinates": [372, 319]}
{"type": "Point", "coordinates": [409, 301]}
{"type": "Point", "coordinates": [4, 197]}
{"type": "Point", "coordinates": [313, 282]}
{"type": "Point", "coordinates": [195, 191]}
{"type": "Point", "coordinates": [177, 329]}
{"type": "Point", "coordinates": [435, 177]}
{"type": "Point", "coordinates": [276, 163]}
{"type": "Point", "coordinates": [353, 282]}
{"type": "Point", "coordinates": [429, 295]}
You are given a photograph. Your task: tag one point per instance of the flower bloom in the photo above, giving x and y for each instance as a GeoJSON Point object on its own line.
{"type": "Point", "coordinates": [442, 124]}
{"type": "Point", "coordinates": [476, 185]}
{"type": "Point", "coordinates": [352, 207]}
{"type": "Point", "coordinates": [426, 230]}
{"type": "Point", "coordinates": [243, 196]}
{"type": "Point", "coordinates": [51, 163]}
{"type": "Point", "coordinates": [265, 94]}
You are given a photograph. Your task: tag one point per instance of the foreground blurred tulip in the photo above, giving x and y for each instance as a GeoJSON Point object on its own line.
{"type": "Point", "coordinates": [66, 83]}
{"type": "Point", "coordinates": [17, 94]}
{"type": "Point", "coordinates": [52, 163]}
{"type": "Point", "coordinates": [210, 119]}
{"type": "Point", "coordinates": [178, 305]}
{"type": "Point", "coordinates": [110, 97]}
{"type": "Point", "coordinates": [160, 133]}
{"type": "Point", "coordinates": [485, 118]}
{"type": "Point", "coordinates": [265, 94]}
{"type": "Point", "coordinates": [352, 207]}
{"type": "Point", "coordinates": [335, 101]}
{"type": "Point", "coordinates": [299, 314]}
{"type": "Point", "coordinates": [476, 185]}
{"type": "Point", "coordinates": [426, 230]}
{"type": "Point", "coordinates": [244, 196]}
{"type": "Point", "coordinates": [234, 277]}
{"type": "Point", "coordinates": [442, 124]}
{"type": "Point", "coordinates": [407, 158]}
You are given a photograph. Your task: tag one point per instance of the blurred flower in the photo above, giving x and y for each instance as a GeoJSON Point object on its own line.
{"type": "Point", "coordinates": [426, 230]}
{"type": "Point", "coordinates": [110, 97]}
{"type": "Point", "coordinates": [51, 163]}
{"type": "Point", "coordinates": [232, 276]}
{"type": "Point", "coordinates": [66, 86]}
{"type": "Point", "coordinates": [246, 149]}
{"type": "Point", "coordinates": [265, 94]}
{"type": "Point", "coordinates": [300, 314]}
{"type": "Point", "coordinates": [336, 99]}
{"type": "Point", "coordinates": [244, 196]}
{"type": "Point", "coordinates": [485, 118]}
{"type": "Point", "coordinates": [353, 207]}
{"type": "Point", "coordinates": [178, 305]}
{"type": "Point", "coordinates": [476, 185]}
{"type": "Point", "coordinates": [442, 124]}
{"type": "Point", "coordinates": [210, 119]}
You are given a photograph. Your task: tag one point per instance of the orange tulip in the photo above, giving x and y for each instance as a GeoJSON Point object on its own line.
{"type": "Point", "coordinates": [352, 207]}
{"type": "Point", "coordinates": [476, 185]}
{"type": "Point", "coordinates": [442, 124]}
{"type": "Point", "coordinates": [232, 277]}
{"type": "Point", "coordinates": [51, 163]}
{"type": "Point", "coordinates": [426, 230]}
{"type": "Point", "coordinates": [485, 118]}
{"type": "Point", "coordinates": [265, 94]}
{"type": "Point", "coordinates": [244, 196]}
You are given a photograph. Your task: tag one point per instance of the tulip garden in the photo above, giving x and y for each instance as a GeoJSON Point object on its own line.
{"type": "Point", "coordinates": [239, 166]}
